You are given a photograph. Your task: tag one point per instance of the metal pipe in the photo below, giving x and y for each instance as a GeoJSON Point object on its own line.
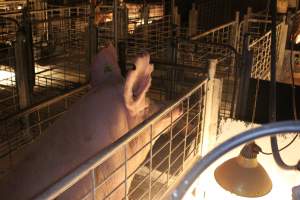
{"type": "Point", "coordinates": [285, 127]}
{"type": "Point", "coordinates": [272, 100]}
{"type": "Point", "coordinates": [72, 178]}
{"type": "Point", "coordinates": [44, 103]}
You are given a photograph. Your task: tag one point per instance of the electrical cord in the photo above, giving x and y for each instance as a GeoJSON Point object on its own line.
{"type": "Point", "coordinates": [294, 102]}
{"type": "Point", "coordinates": [185, 182]}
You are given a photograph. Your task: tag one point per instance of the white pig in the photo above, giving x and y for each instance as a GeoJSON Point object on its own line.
{"type": "Point", "coordinates": [105, 114]}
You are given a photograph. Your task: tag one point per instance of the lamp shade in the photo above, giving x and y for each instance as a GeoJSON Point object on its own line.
{"type": "Point", "coordinates": [244, 177]}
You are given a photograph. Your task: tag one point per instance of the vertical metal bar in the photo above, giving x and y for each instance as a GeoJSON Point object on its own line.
{"type": "Point", "coordinates": [198, 121]}
{"type": "Point", "coordinates": [186, 130]}
{"type": "Point", "coordinates": [93, 184]}
{"type": "Point", "coordinates": [244, 75]}
{"type": "Point", "coordinates": [39, 122]}
{"type": "Point", "coordinates": [126, 169]}
{"type": "Point", "coordinates": [115, 22]}
{"type": "Point", "coordinates": [235, 31]}
{"type": "Point", "coordinates": [92, 36]}
{"type": "Point", "coordinates": [150, 165]}
{"type": "Point", "coordinates": [170, 150]}
{"type": "Point", "coordinates": [21, 71]}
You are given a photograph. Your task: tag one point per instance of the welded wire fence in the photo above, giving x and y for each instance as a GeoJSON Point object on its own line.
{"type": "Point", "coordinates": [59, 42]}
{"type": "Point", "coordinates": [152, 34]}
{"type": "Point", "coordinates": [60, 36]}
{"type": "Point", "coordinates": [8, 91]}
{"type": "Point", "coordinates": [259, 33]}
{"type": "Point", "coordinates": [169, 82]}
{"type": "Point", "coordinates": [154, 37]}
{"type": "Point", "coordinates": [177, 142]}
{"type": "Point", "coordinates": [217, 43]}
{"type": "Point", "coordinates": [60, 47]}
{"type": "Point", "coordinates": [19, 130]}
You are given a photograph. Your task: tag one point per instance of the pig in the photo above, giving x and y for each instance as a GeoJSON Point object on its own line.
{"type": "Point", "coordinates": [112, 107]}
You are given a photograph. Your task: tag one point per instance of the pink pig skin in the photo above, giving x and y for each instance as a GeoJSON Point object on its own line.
{"type": "Point", "coordinates": [101, 117]}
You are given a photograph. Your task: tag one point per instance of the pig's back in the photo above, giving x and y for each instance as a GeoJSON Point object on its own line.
{"type": "Point", "coordinates": [89, 126]}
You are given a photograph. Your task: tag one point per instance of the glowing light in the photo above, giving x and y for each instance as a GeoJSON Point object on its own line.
{"type": "Point", "coordinates": [206, 188]}
{"type": "Point", "coordinates": [19, 7]}
{"type": "Point", "coordinates": [6, 75]}
{"type": "Point", "coordinates": [297, 40]}
{"type": "Point", "coordinates": [43, 75]}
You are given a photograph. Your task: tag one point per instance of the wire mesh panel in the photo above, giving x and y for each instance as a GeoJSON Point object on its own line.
{"type": "Point", "coordinates": [142, 28]}
{"type": "Point", "coordinates": [260, 44]}
{"type": "Point", "coordinates": [8, 91]}
{"type": "Point", "coordinates": [153, 37]}
{"type": "Point", "coordinates": [60, 46]}
{"type": "Point", "coordinates": [165, 148]}
{"type": "Point", "coordinates": [17, 5]}
{"type": "Point", "coordinates": [217, 44]}
{"type": "Point", "coordinates": [105, 26]}
{"type": "Point", "coordinates": [59, 40]}
{"type": "Point", "coordinates": [213, 13]}
{"type": "Point", "coordinates": [261, 54]}
{"type": "Point", "coordinates": [223, 34]}
{"type": "Point", "coordinates": [19, 130]}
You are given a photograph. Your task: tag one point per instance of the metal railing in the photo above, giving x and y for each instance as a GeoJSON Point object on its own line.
{"type": "Point", "coordinates": [59, 48]}
{"type": "Point", "coordinates": [259, 33]}
{"type": "Point", "coordinates": [169, 82]}
{"type": "Point", "coordinates": [217, 43]}
{"type": "Point", "coordinates": [177, 144]}
{"type": "Point", "coordinates": [15, 133]}
{"type": "Point", "coordinates": [154, 37]}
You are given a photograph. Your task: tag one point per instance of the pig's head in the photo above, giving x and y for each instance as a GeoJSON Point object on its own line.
{"type": "Point", "coordinates": [105, 67]}
{"type": "Point", "coordinates": [105, 71]}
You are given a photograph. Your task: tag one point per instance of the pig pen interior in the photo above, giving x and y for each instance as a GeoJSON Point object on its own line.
{"type": "Point", "coordinates": [176, 143]}
{"type": "Point", "coordinates": [182, 82]}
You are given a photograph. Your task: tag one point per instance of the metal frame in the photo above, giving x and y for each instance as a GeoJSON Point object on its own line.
{"type": "Point", "coordinates": [191, 119]}
{"type": "Point", "coordinates": [259, 33]}
{"type": "Point", "coordinates": [217, 43]}
{"type": "Point", "coordinates": [59, 53]}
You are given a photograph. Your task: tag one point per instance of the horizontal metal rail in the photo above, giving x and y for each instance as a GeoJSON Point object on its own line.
{"type": "Point", "coordinates": [69, 180]}
{"type": "Point", "coordinates": [213, 30]}
{"type": "Point", "coordinates": [45, 103]}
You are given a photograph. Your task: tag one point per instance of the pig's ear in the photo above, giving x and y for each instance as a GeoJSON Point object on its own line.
{"type": "Point", "coordinates": [137, 84]}
{"type": "Point", "coordinates": [105, 66]}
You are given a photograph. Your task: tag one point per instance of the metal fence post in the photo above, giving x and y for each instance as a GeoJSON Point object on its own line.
{"type": "Point", "coordinates": [115, 22]}
{"type": "Point", "coordinates": [24, 71]}
{"type": "Point", "coordinates": [123, 22]}
{"type": "Point", "coordinates": [235, 31]}
{"type": "Point", "coordinates": [176, 20]}
{"type": "Point", "coordinates": [22, 74]}
{"type": "Point", "coordinates": [21, 70]}
{"type": "Point", "coordinates": [244, 79]}
{"type": "Point", "coordinates": [122, 57]}
{"type": "Point", "coordinates": [92, 38]}
{"type": "Point", "coordinates": [211, 105]}
{"type": "Point", "coordinates": [246, 20]}
{"type": "Point", "coordinates": [281, 48]}
{"type": "Point", "coordinates": [145, 17]}
{"type": "Point", "coordinates": [28, 48]}
{"type": "Point", "coordinates": [193, 21]}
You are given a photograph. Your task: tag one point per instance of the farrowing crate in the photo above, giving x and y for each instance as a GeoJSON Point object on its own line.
{"type": "Point", "coordinates": [217, 43]}
{"type": "Point", "coordinates": [19, 130]}
{"type": "Point", "coordinates": [59, 51]}
{"type": "Point", "coordinates": [259, 32]}
{"type": "Point", "coordinates": [176, 146]}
